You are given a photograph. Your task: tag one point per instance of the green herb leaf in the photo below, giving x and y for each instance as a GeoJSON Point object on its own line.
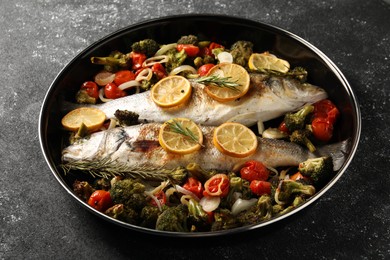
{"type": "Point", "coordinates": [222, 82]}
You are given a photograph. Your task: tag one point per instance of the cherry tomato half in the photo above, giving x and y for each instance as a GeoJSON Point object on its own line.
{"type": "Point", "coordinates": [91, 88]}
{"type": "Point", "coordinates": [159, 70]}
{"type": "Point", "coordinates": [260, 187]}
{"type": "Point", "coordinates": [190, 49]}
{"type": "Point", "coordinates": [137, 60]}
{"type": "Point", "coordinates": [111, 90]}
{"type": "Point", "coordinates": [194, 186]}
{"type": "Point", "coordinates": [322, 129]}
{"type": "Point", "coordinates": [100, 200]}
{"type": "Point", "coordinates": [123, 76]}
{"type": "Point", "coordinates": [217, 185]}
{"type": "Point", "coordinates": [326, 109]}
{"type": "Point", "coordinates": [204, 69]}
{"type": "Point", "coordinates": [283, 128]}
{"type": "Point", "coordinates": [254, 170]}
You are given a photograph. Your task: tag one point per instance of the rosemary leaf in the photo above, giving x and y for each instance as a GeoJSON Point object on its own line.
{"type": "Point", "coordinates": [178, 128]}
{"type": "Point", "coordinates": [222, 82]}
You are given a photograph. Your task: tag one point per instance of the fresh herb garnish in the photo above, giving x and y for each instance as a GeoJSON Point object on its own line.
{"type": "Point", "coordinates": [178, 128]}
{"type": "Point", "coordinates": [222, 82]}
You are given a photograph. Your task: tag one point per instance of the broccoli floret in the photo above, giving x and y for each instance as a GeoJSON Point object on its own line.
{"type": "Point", "coordinates": [289, 189]}
{"type": "Point", "coordinates": [296, 121]}
{"type": "Point", "coordinates": [173, 219]}
{"type": "Point", "coordinates": [188, 39]}
{"type": "Point", "coordinates": [223, 220]}
{"type": "Point", "coordinates": [302, 137]}
{"type": "Point", "coordinates": [148, 46]}
{"type": "Point", "coordinates": [126, 118]}
{"type": "Point", "coordinates": [82, 97]}
{"type": "Point", "coordinates": [130, 193]}
{"type": "Point", "coordinates": [279, 210]}
{"type": "Point", "coordinates": [175, 59]}
{"type": "Point", "coordinates": [123, 213]}
{"type": "Point", "coordinates": [261, 211]}
{"type": "Point", "coordinates": [241, 51]}
{"type": "Point", "coordinates": [236, 185]}
{"type": "Point", "coordinates": [320, 170]}
{"type": "Point", "coordinates": [149, 215]}
{"type": "Point", "coordinates": [83, 189]}
{"type": "Point", "coordinates": [114, 62]}
{"type": "Point", "coordinates": [178, 175]}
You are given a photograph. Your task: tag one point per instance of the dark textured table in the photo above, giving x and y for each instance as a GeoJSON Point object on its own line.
{"type": "Point", "coordinates": [39, 220]}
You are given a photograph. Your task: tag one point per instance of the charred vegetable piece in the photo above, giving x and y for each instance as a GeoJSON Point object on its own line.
{"type": "Point", "coordinates": [261, 211]}
{"type": "Point", "coordinates": [223, 220]}
{"type": "Point", "coordinates": [130, 193]}
{"type": "Point", "coordinates": [114, 62]}
{"type": "Point", "coordinates": [146, 46]}
{"type": "Point", "coordinates": [173, 219]}
{"type": "Point", "coordinates": [296, 121]}
{"type": "Point", "coordinates": [126, 118]}
{"type": "Point", "coordinates": [320, 170]}
{"type": "Point", "coordinates": [302, 137]}
{"type": "Point", "coordinates": [83, 189]}
{"type": "Point", "coordinates": [188, 39]}
{"type": "Point", "coordinates": [241, 51]}
{"type": "Point", "coordinates": [288, 190]}
{"type": "Point", "coordinates": [175, 59]}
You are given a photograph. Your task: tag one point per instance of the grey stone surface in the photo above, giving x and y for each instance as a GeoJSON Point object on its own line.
{"type": "Point", "coordinates": [38, 220]}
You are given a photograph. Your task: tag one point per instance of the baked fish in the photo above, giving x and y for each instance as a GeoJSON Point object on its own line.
{"type": "Point", "coordinates": [269, 97]}
{"type": "Point", "coordinates": [136, 147]}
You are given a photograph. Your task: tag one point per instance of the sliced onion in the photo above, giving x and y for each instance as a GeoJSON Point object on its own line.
{"type": "Point", "coordinates": [276, 197]}
{"type": "Point", "coordinates": [104, 77]}
{"type": "Point", "coordinates": [241, 205]}
{"type": "Point", "coordinates": [169, 192]}
{"type": "Point", "coordinates": [186, 192]}
{"type": "Point", "coordinates": [165, 48]}
{"type": "Point", "coordinates": [210, 203]}
{"type": "Point", "coordinates": [112, 124]}
{"type": "Point", "coordinates": [260, 127]}
{"type": "Point", "coordinates": [225, 57]}
{"type": "Point", "coordinates": [130, 84]}
{"type": "Point", "coordinates": [158, 203]}
{"type": "Point", "coordinates": [182, 68]}
{"type": "Point", "coordinates": [274, 133]}
{"type": "Point", "coordinates": [145, 74]}
{"type": "Point", "coordinates": [101, 96]}
{"type": "Point", "coordinates": [185, 198]}
{"type": "Point", "coordinates": [155, 59]}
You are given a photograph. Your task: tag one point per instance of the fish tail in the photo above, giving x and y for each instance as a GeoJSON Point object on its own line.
{"type": "Point", "coordinates": [338, 152]}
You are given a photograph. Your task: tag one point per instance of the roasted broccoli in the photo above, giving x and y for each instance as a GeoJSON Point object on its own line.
{"type": "Point", "coordinates": [302, 137]}
{"type": "Point", "coordinates": [261, 211]}
{"type": "Point", "coordinates": [130, 193]}
{"type": "Point", "coordinates": [149, 215]}
{"type": "Point", "coordinates": [178, 175]}
{"type": "Point", "coordinates": [241, 51]}
{"type": "Point", "coordinates": [279, 210]}
{"type": "Point", "coordinates": [298, 73]}
{"type": "Point", "coordinates": [188, 39]}
{"type": "Point", "coordinates": [148, 46]}
{"type": "Point", "coordinates": [289, 189]}
{"type": "Point", "coordinates": [223, 220]}
{"type": "Point", "coordinates": [296, 121]}
{"type": "Point", "coordinates": [126, 118]}
{"type": "Point", "coordinates": [102, 184]}
{"type": "Point", "coordinates": [173, 219]}
{"type": "Point", "coordinates": [123, 213]}
{"type": "Point", "coordinates": [319, 170]}
{"type": "Point", "coordinates": [114, 62]}
{"type": "Point", "coordinates": [175, 59]}
{"type": "Point", "coordinates": [237, 185]}
{"type": "Point", "coordinates": [82, 97]}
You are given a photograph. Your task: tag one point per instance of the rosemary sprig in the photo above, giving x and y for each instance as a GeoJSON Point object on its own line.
{"type": "Point", "coordinates": [108, 168]}
{"type": "Point", "coordinates": [222, 82]}
{"type": "Point", "coordinates": [177, 127]}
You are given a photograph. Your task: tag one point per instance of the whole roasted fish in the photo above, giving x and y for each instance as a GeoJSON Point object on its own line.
{"type": "Point", "coordinates": [269, 97]}
{"type": "Point", "coordinates": [136, 147]}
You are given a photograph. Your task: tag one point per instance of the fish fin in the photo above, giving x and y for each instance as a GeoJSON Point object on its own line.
{"type": "Point", "coordinates": [338, 152]}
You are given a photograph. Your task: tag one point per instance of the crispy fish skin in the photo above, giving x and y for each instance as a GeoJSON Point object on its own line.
{"type": "Point", "coordinates": [269, 97]}
{"type": "Point", "coordinates": [138, 146]}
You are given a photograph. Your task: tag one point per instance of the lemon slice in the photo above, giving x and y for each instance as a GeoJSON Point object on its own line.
{"type": "Point", "coordinates": [180, 136]}
{"type": "Point", "coordinates": [261, 61]}
{"type": "Point", "coordinates": [235, 140]}
{"type": "Point", "coordinates": [92, 118]}
{"type": "Point", "coordinates": [171, 91]}
{"type": "Point", "coordinates": [233, 73]}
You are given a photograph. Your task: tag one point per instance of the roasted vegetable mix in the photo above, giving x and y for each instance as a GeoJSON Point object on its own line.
{"type": "Point", "coordinates": [193, 199]}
